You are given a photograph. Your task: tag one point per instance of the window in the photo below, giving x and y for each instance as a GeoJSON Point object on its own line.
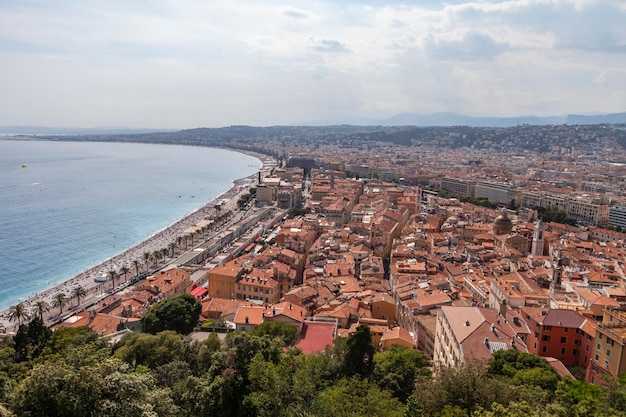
{"type": "Point", "coordinates": [544, 349]}
{"type": "Point", "coordinates": [608, 352]}
{"type": "Point", "coordinates": [548, 328]}
{"type": "Point", "coordinates": [546, 338]}
{"type": "Point", "coordinates": [536, 335]}
{"type": "Point", "coordinates": [562, 351]}
{"type": "Point", "coordinates": [563, 339]}
{"type": "Point", "coordinates": [600, 336]}
{"type": "Point", "coordinates": [575, 352]}
{"type": "Point", "coordinates": [599, 346]}
{"type": "Point", "coordinates": [597, 357]}
{"type": "Point", "coordinates": [565, 330]}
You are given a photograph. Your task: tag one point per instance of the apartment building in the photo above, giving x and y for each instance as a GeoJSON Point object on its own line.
{"type": "Point", "coordinates": [464, 188]}
{"type": "Point", "coordinates": [497, 192]}
{"type": "Point", "coordinates": [472, 332]}
{"type": "Point", "coordinates": [585, 209]}
{"type": "Point", "coordinates": [617, 217]}
{"type": "Point", "coordinates": [609, 352]}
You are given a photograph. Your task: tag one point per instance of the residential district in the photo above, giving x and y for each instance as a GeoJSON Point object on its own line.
{"type": "Point", "coordinates": [355, 230]}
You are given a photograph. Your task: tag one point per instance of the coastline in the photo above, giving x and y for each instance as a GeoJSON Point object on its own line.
{"type": "Point", "coordinates": [157, 241]}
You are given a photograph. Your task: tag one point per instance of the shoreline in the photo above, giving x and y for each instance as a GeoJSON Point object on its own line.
{"type": "Point", "coordinates": [159, 240]}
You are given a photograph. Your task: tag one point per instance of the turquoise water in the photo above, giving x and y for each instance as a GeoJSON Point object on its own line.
{"type": "Point", "coordinates": [67, 206]}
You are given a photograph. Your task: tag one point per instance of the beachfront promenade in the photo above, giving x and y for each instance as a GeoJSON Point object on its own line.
{"type": "Point", "coordinates": [140, 260]}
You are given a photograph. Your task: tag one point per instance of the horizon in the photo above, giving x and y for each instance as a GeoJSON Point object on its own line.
{"type": "Point", "coordinates": [174, 64]}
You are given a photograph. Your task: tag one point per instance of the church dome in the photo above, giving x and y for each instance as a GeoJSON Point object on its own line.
{"type": "Point", "coordinates": [503, 225]}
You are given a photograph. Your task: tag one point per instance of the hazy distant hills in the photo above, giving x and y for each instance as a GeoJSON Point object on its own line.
{"type": "Point", "coordinates": [576, 119]}
{"type": "Point", "coordinates": [453, 119]}
{"type": "Point", "coordinates": [403, 119]}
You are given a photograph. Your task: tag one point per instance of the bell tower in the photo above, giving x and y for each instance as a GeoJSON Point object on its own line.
{"type": "Point", "coordinates": [538, 239]}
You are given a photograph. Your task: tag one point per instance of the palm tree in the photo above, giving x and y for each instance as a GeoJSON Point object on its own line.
{"type": "Point", "coordinates": [113, 276]}
{"type": "Point", "coordinates": [136, 264]}
{"type": "Point", "coordinates": [41, 307]}
{"type": "Point", "coordinates": [59, 300]}
{"type": "Point", "coordinates": [77, 293]}
{"type": "Point", "coordinates": [124, 271]}
{"type": "Point", "coordinates": [156, 255]}
{"type": "Point", "coordinates": [146, 259]}
{"type": "Point", "coordinates": [17, 313]}
{"type": "Point", "coordinates": [172, 247]}
{"type": "Point", "coordinates": [179, 240]}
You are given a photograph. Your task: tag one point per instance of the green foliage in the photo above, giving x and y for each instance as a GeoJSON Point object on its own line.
{"type": "Point", "coordinates": [552, 214]}
{"type": "Point", "coordinates": [359, 355]}
{"type": "Point", "coordinates": [286, 332]}
{"type": "Point", "coordinates": [357, 397]}
{"type": "Point", "coordinates": [31, 339]}
{"type": "Point", "coordinates": [66, 337]}
{"type": "Point", "coordinates": [295, 212]}
{"type": "Point", "coordinates": [396, 369]}
{"type": "Point", "coordinates": [524, 368]}
{"type": "Point", "coordinates": [179, 313]}
{"type": "Point", "coordinates": [253, 374]}
{"type": "Point", "coordinates": [150, 350]}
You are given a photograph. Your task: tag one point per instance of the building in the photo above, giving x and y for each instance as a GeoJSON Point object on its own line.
{"type": "Point", "coordinates": [497, 192]}
{"type": "Point", "coordinates": [609, 353]}
{"type": "Point", "coordinates": [585, 209]}
{"type": "Point", "coordinates": [459, 187]}
{"type": "Point", "coordinates": [538, 239]}
{"type": "Point", "coordinates": [464, 333]}
{"type": "Point", "coordinates": [555, 333]}
{"type": "Point", "coordinates": [617, 217]}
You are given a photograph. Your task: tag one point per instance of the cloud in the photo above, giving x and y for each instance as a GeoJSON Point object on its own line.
{"type": "Point", "coordinates": [296, 14]}
{"type": "Point", "coordinates": [473, 46]}
{"type": "Point", "coordinates": [329, 45]}
{"type": "Point", "coordinates": [183, 63]}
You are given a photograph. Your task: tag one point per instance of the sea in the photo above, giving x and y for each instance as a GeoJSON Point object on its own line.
{"type": "Point", "coordinates": [68, 206]}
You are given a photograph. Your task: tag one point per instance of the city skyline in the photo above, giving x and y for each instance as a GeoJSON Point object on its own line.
{"type": "Point", "coordinates": [171, 65]}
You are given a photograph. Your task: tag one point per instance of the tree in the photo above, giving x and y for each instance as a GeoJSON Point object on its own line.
{"type": "Point", "coordinates": [113, 275]}
{"type": "Point", "coordinates": [136, 264]}
{"type": "Point", "coordinates": [150, 350]}
{"type": "Point", "coordinates": [65, 338]}
{"type": "Point", "coordinates": [59, 300]}
{"type": "Point", "coordinates": [396, 369]}
{"type": "Point", "coordinates": [357, 397]}
{"type": "Point", "coordinates": [179, 313]}
{"type": "Point", "coordinates": [286, 332]}
{"type": "Point", "coordinates": [124, 271]}
{"type": "Point", "coordinates": [78, 293]}
{"type": "Point", "coordinates": [359, 356]}
{"type": "Point", "coordinates": [146, 259]}
{"type": "Point", "coordinates": [41, 307]}
{"type": "Point", "coordinates": [31, 339]}
{"type": "Point", "coordinates": [18, 313]}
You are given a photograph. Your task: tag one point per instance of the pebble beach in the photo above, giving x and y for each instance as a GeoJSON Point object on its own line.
{"type": "Point", "coordinates": [93, 279]}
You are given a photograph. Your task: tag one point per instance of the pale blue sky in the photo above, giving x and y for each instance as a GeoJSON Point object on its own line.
{"type": "Point", "coordinates": [190, 63]}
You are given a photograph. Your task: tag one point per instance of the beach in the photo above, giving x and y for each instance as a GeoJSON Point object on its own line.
{"type": "Point", "coordinates": [162, 239]}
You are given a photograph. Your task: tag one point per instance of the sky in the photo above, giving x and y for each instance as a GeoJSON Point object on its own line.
{"type": "Point", "coordinates": [192, 63]}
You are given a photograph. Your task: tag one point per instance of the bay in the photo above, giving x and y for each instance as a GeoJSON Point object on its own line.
{"type": "Point", "coordinates": [67, 206]}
